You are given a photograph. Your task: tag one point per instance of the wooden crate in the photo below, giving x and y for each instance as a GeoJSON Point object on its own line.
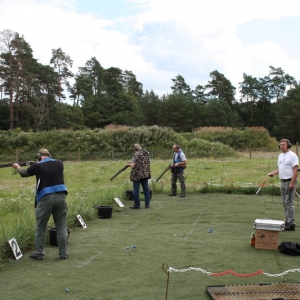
{"type": "Point", "coordinates": [266, 239]}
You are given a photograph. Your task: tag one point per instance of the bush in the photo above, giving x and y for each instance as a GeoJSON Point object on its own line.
{"type": "Point", "coordinates": [115, 142]}
{"type": "Point", "coordinates": [256, 138]}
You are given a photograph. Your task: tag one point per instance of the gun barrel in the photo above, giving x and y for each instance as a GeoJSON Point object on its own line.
{"type": "Point", "coordinates": [161, 175]}
{"type": "Point", "coordinates": [5, 165]}
{"type": "Point", "coordinates": [124, 168]}
{"type": "Point", "coordinates": [21, 164]}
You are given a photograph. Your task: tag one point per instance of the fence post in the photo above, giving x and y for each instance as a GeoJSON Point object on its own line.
{"type": "Point", "coordinates": [79, 154]}
{"type": "Point", "coordinates": [297, 148]}
{"type": "Point", "coordinates": [112, 153]}
{"type": "Point", "coordinates": [17, 155]}
{"type": "Point", "coordinates": [250, 154]}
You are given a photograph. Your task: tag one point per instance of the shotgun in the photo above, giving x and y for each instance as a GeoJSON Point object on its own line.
{"type": "Point", "coordinates": [166, 169]}
{"type": "Point", "coordinates": [124, 168]}
{"type": "Point", "coordinates": [21, 164]}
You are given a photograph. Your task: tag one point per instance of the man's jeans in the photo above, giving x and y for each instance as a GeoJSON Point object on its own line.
{"type": "Point", "coordinates": [136, 192]}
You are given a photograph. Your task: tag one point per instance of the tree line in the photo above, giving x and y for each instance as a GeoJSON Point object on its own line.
{"type": "Point", "coordinates": [33, 97]}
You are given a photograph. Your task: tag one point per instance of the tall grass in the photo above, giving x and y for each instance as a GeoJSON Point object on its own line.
{"type": "Point", "coordinates": [89, 185]}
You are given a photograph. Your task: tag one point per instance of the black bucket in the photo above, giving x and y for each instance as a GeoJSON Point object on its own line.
{"type": "Point", "coordinates": [105, 211]}
{"type": "Point", "coordinates": [129, 194]}
{"type": "Point", "coordinates": [53, 236]}
{"type": "Point", "coordinates": [150, 192]}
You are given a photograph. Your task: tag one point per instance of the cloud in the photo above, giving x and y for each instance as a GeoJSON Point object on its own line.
{"type": "Point", "coordinates": [159, 40]}
{"type": "Point", "coordinates": [206, 37]}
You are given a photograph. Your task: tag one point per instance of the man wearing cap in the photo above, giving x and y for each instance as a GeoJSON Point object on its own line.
{"type": "Point", "coordinates": [140, 173]}
{"type": "Point", "coordinates": [50, 199]}
{"type": "Point", "coordinates": [288, 163]}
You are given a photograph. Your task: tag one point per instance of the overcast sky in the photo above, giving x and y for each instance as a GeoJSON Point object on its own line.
{"type": "Point", "coordinates": [160, 39]}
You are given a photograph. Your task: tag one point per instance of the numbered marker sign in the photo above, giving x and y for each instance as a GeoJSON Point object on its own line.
{"type": "Point", "coordinates": [15, 248]}
{"type": "Point", "coordinates": [119, 202]}
{"type": "Point", "coordinates": [81, 221]}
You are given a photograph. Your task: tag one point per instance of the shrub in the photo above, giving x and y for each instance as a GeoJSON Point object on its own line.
{"type": "Point", "coordinates": [256, 138]}
{"type": "Point", "coordinates": [115, 142]}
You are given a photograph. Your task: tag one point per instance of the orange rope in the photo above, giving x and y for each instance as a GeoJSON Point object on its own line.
{"type": "Point", "coordinates": [237, 274]}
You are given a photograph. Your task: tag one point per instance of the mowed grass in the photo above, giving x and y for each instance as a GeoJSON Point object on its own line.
{"type": "Point", "coordinates": [173, 231]}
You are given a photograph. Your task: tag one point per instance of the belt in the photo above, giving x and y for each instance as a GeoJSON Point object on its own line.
{"type": "Point", "coordinates": [285, 180]}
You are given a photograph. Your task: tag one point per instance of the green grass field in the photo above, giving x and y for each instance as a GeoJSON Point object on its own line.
{"type": "Point", "coordinates": [173, 231]}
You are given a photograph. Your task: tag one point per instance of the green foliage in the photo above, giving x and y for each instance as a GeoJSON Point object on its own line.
{"type": "Point", "coordinates": [152, 137]}
{"type": "Point", "coordinates": [288, 117]}
{"type": "Point", "coordinates": [33, 95]}
{"type": "Point", "coordinates": [202, 148]}
{"type": "Point", "coordinates": [251, 137]}
{"type": "Point", "coordinates": [220, 87]}
{"type": "Point", "coordinates": [20, 224]}
{"type": "Point", "coordinates": [220, 113]}
{"type": "Point", "coordinates": [115, 142]}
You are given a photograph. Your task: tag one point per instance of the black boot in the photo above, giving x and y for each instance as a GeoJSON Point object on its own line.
{"type": "Point", "coordinates": [289, 227]}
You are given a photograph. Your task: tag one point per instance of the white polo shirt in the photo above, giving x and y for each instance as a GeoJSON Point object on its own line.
{"type": "Point", "coordinates": [286, 162]}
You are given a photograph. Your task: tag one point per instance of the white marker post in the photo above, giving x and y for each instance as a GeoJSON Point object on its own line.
{"type": "Point", "coordinates": [119, 202]}
{"type": "Point", "coordinates": [15, 248]}
{"type": "Point", "coordinates": [82, 223]}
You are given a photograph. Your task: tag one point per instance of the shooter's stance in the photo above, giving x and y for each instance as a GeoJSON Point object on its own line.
{"type": "Point", "coordinates": [177, 169]}
{"type": "Point", "coordinates": [50, 199]}
{"type": "Point", "coordinates": [288, 163]}
{"type": "Point", "coordinates": [139, 175]}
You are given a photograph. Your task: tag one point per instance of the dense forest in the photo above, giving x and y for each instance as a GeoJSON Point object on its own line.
{"type": "Point", "coordinates": [33, 97]}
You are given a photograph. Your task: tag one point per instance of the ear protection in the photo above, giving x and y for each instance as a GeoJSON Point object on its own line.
{"type": "Point", "coordinates": [40, 153]}
{"type": "Point", "coordinates": [38, 156]}
{"type": "Point", "coordinates": [136, 147]}
{"type": "Point", "coordinates": [289, 144]}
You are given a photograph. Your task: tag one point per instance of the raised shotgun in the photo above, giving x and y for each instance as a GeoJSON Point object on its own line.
{"type": "Point", "coordinates": [124, 168]}
{"type": "Point", "coordinates": [21, 164]}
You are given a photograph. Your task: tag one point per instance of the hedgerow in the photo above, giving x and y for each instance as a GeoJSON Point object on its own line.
{"type": "Point", "coordinates": [112, 141]}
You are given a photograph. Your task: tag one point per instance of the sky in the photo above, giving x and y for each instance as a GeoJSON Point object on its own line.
{"type": "Point", "coordinates": [160, 39]}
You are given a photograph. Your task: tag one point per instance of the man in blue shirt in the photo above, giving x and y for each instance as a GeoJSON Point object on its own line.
{"type": "Point", "coordinates": [50, 200]}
